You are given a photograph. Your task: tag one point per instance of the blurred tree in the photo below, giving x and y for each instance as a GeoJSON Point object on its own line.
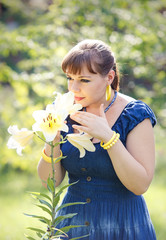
{"type": "Point", "coordinates": [35, 35]}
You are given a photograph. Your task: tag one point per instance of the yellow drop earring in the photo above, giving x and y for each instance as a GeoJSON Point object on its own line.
{"type": "Point", "coordinates": [108, 93]}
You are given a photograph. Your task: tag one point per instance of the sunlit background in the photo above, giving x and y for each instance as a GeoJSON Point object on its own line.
{"type": "Point", "coordinates": [34, 37]}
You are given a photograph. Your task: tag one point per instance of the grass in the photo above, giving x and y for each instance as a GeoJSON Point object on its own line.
{"type": "Point", "coordinates": [13, 202]}
{"type": "Point", "coordinates": [156, 201]}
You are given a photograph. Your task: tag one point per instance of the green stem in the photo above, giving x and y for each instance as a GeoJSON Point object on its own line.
{"type": "Point", "coordinates": [42, 139]}
{"type": "Point", "coordinates": [53, 193]}
{"type": "Point", "coordinates": [51, 227]}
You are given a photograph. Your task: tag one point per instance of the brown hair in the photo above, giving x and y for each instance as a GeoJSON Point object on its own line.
{"type": "Point", "coordinates": [96, 55]}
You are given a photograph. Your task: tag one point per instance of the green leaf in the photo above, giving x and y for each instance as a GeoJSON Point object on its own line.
{"type": "Point", "coordinates": [59, 236]}
{"type": "Point", "coordinates": [28, 237]}
{"type": "Point", "coordinates": [58, 231]}
{"type": "Point", "coordinates": [40, 194]}
{"type": "Point", "coordinates": [36, 230]}
{"type": "Point", "coordinates": [61, 218]}
{"type": "Point", "coordinates": [39, 235]}
{"type": "Point", "coordinates": [50, 185]}
{"type": "Point", "coordinates": [45, 209]}
{"type": "Point", "coordinates": [64, 187]}
{"type": "Point", "coordinates": [59, 158]}
{"type": "Point", "coordinates": [67, 228]}
{"type": "Point", "coordinates": [79, 237]}
{"type": "Point", "coordinates": [56, 201]}
{"type": "Point", "coordinates": [41, 218]}
{"type": "Point", "coordinates": [45, 203]}
{"type": "Point", "coordinates": [69, 204]}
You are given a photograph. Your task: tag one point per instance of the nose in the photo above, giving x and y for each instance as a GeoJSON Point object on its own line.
{"type": "Point", "coordinates": [74, 86]}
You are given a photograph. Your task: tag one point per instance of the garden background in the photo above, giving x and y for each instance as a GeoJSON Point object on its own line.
{"type": "Point", "coordinates": [34, 37]}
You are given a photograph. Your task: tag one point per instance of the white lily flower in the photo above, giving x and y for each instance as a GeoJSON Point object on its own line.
{"type": "Point", "coordinates": [19, 139]}
{"type": "Point", "coordinates": [81, 141]}
{"type": "Point", "coordinates": [50, 122]}
{"type": "Point", "coordinates": [66, 101]}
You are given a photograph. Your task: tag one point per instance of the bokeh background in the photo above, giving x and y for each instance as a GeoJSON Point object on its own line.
{"type": "Point", "coordinates": [34, 37]}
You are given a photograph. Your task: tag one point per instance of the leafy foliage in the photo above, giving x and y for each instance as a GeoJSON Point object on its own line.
{"type": "Point", "coordinates": [35, 36]}
{"type": "Point", "coordinates": [50, 207]}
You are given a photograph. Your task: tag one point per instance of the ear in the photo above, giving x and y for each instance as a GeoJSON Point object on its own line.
{"type": "Point", "coordinates": [111, 76]}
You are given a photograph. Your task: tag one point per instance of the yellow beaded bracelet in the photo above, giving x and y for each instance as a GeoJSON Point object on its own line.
{"type": "Point", "coordinates": [48, 159]}
{"type": "Point", "coordinates": [111, 144]}
{"type": "Point", "coordinates": [110, 141]}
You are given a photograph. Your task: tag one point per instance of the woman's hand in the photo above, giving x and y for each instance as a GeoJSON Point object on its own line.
{"type": "Point", "coordinates": [96, 126]}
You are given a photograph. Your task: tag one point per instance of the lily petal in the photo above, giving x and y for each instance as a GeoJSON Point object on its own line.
{"type": "Point", "coordinates": [38, 115]}
{"type": "Point", "coordinates": [50, 137]}
{"type": "Point", "coordinates": [64, 128]}
{"type": "Point", "coordinates": [82, 142]}
{"type": "Point", "coordinates": [49, 122]}
{"type": "Point", "coordinates": [82, 152]}
{"type": "Point", "coordinates": [80, 148]}
{"type": "Point", "coordinates": [19, 139]}
{"type": "Point", "coordinates": [66, 101]}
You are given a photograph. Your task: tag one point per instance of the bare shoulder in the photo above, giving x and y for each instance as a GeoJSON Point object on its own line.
{"type": "Point", "coordinates": [125, 99]}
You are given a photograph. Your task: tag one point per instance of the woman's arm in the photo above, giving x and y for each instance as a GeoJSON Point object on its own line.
{"type": "Point", "coordinates": [45, 168]}
{"type": "Point", "coordinates": [134, 165]}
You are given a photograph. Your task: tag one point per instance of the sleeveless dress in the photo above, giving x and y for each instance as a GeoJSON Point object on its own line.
{"type": "Point", "coordinates": [111, 212]}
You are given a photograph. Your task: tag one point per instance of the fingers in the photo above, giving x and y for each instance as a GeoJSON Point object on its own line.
{"type": "Point", "coordinates": [82, 114]}
{"type": "Point", "coordinates": [81, 128]}
{"type": "Point", "coordinates": [83, 120]}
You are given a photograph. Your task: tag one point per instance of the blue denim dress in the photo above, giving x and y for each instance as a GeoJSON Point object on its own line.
{"type": "Point", "coordinates": [111, 212]}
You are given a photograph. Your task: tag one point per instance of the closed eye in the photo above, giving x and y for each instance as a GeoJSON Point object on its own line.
{"type": "Point", "coordinates": [82, 79]}
{"type": "Point", "coordinates": [69, 78]}
{"type": "Point", "coordinates": [85, 80]}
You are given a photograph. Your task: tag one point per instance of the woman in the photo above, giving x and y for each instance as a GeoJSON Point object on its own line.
{"type": "Point", "coordinates": [113, 178]}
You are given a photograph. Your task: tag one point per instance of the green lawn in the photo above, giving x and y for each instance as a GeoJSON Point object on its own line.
{"type": "Point", "coordinates": [16, 200]}
{"type": "Point", "coordinates": [156, 200]}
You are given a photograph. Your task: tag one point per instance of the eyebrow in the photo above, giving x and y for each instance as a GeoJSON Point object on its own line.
{"type": "Point", "coordinates": [84, 76]}
{"type": "Point", "coordinates": [68, 74]}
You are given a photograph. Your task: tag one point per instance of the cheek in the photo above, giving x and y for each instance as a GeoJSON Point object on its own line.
{"type": "Point", "coordinates": [69, 85]}
{"type": "Point", "coordinates": [95, 93]}
{"type": "Point", "coordinates": [99, 89]}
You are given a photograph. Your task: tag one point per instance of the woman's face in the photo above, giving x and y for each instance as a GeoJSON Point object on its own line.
{"type": "Point", "coordinates": [88, 88]}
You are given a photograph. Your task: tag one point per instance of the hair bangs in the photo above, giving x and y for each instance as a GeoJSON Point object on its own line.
{"type": "Point", "coordinates": [74, 62]}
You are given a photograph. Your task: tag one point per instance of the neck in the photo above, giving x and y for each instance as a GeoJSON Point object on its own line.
{"type": "Point", "coordinates": [95, 108]}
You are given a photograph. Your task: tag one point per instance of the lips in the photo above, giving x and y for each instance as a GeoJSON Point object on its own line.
{"type": "Point", "coordinates": [78, 98]}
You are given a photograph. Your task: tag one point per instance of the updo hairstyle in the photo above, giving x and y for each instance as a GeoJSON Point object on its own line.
{"type": "Point", "coordinates": [96, 55]}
